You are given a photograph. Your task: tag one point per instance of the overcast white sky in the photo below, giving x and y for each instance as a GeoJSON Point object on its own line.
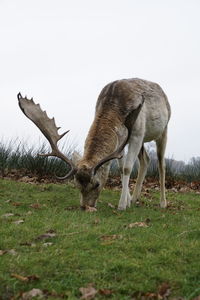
{"type": "Point", "coordinates": [63, 52]}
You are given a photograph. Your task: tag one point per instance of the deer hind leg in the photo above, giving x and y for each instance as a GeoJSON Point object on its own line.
{"type": "Point", "coordinates": [121, 163]}
{"type": "Point", "coordinates": [161, 146]}
{"type": "Point", "coordinates": [133, 150]}
{"type": "Point", "coordinates": [143, 165]}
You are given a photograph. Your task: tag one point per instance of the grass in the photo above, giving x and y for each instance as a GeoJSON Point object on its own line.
{"type": "Point", "coordinates": [96, 247]}
{"type": "Point", "coordinates": [22, 157]}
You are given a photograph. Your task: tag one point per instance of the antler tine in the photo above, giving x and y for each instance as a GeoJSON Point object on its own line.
{"type": "Point", "coordinates": [61, 135]}
{"type": "Point", "coordinates": [55, 150]}
{"type": "Point", "coordinates": [19, 96]}
{"type": "Point", "coordinates": [47, 126]}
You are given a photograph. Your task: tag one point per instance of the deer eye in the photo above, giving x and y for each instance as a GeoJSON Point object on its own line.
{"type": "Point", "coordinates": [96, 185]}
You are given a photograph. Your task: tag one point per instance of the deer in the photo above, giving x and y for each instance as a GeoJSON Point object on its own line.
{"type": "Point", "coordinates": [129, 112]}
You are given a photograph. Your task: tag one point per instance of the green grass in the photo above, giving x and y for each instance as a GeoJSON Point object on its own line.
{"type": "Point", "coordinates": [136, 263]}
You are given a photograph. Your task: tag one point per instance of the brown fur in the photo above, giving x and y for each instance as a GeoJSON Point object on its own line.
{"type": "Point", "coordinates": [118, 105]}
{"type": "Point", "coordinates": [101, 139]}
{"type": "Point", "coordinates": [116, 124]}
{"type": "Point", "coordinates": [114, 106]}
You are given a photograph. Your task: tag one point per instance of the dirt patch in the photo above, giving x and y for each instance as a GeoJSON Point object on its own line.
{"type": "Point", "coordinates": [113, 183]}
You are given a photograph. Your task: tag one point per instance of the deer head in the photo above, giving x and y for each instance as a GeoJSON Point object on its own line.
{"type": "Point", "coordinates": [89, 176]}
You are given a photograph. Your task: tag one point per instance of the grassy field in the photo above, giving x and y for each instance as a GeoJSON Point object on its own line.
{"type": "Point", "coordinates": [48, 244]}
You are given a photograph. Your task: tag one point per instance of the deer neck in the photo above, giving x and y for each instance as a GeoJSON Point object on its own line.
{"type": "Point", "coordinates": [102, 139]}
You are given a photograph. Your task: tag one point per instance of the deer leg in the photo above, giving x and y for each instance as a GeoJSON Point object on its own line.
{"type": "Point", "coordinates": [143, 165]}
{"type": "Point", "coordinates": [121, 162]}
{"type": "Point", "coordinates": [133, 150]}
{"type": "Point", "coordinates": [161, 145]}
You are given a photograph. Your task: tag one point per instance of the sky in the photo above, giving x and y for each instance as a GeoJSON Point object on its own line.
{"type": "Point", "coordinates": [63, 52]}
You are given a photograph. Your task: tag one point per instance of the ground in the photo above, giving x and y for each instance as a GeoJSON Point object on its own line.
{"type": "Point", "coordinates": [48, 244]}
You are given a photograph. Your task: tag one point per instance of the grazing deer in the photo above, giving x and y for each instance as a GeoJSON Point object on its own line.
{"type": "Point", "coordinates": [128, 112]}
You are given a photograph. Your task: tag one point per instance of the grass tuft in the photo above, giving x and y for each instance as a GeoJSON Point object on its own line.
{"type": "Point", "coordinates": [18, 156]}
{"type": "Point", "coordinates": [15, 155]}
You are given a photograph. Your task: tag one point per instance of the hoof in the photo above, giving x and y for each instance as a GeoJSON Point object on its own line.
{"type": "Point", "coordinates": [163, 204]}
{"type": "Point", "coordinates": [135, 201]}
{"type": "Point", "coordinates": [121, 208]}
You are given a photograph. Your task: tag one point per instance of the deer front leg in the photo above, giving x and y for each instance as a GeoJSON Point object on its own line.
{"type": "Point", "coordinates": [121, 163]}
{"type": "Point", "coordinates": [133, 150]}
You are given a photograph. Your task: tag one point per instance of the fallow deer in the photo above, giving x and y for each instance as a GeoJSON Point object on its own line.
{"type": "Point", "coordinates": [128, 112]}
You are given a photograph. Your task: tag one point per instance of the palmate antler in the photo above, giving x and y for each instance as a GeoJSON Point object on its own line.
{"type": "Point", "coordinates": [47, 127]}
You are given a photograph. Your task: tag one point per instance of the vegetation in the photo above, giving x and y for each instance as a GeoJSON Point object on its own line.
{"type": "Point", "coordinates": [51, 249]}
{"type": "Point", "coordinates": [15, 156]}
{"type": "Point", "coordinates": [47, 243]}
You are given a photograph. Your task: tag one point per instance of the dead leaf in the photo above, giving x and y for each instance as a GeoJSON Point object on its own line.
{"type": "Point", "coordinates": [111, 205]}
{"type": "Point", "coordinates": [12, 252]}
{"type": "Point", "coordinates": [29, 213]}
{"type": "Point", "coordinates": [137, 224]}
{"type": "Point", "coordinates": [184, 189]}
{"type": "Point", "coordinates": [105, 292]}
{"type": "Point", "coordinates": [18, 222]}
{"type": "Point", "coordinates": [35, 205]}
{"type": "Point", "coordinates": [49, 234]}
{"type": "Point", "coordinates": [8, 201]}
{"type": "Point", "coordinates": [89, 292]}
{"type": "Point", "coordinates": [16, 204]}
{"type": "Point", "coordinates": [25, 278]}
{"type": "Point", "coordinates": [151, 296]}
{"type": "Point", "coordinates": [19, 277]}
{"type": "Point", "coordinates": [32, 293]}
{"type": "Point", "coordinates": [174, 190]}
{"type": "Point", "coordinates": [111, 237]}
{"type": "Point", "coordinates": [164, 290]}
{"type": "Point", "coordinates": [45, 236]}
{"type": "Point", "coordinates": [162, 293]}
{"type": "Point", "coordinates": [165, 226]}
{"type": "Point", "coordinates": [47, 244]}
{"type": "Point", "coordinates": [7, 215]}
{"type": "Point", "coordinates": [33, 277]}
{"type": "Point", "coordinates": [116, 213]}
{"type": "Point", "coordinates": [90, 209]}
